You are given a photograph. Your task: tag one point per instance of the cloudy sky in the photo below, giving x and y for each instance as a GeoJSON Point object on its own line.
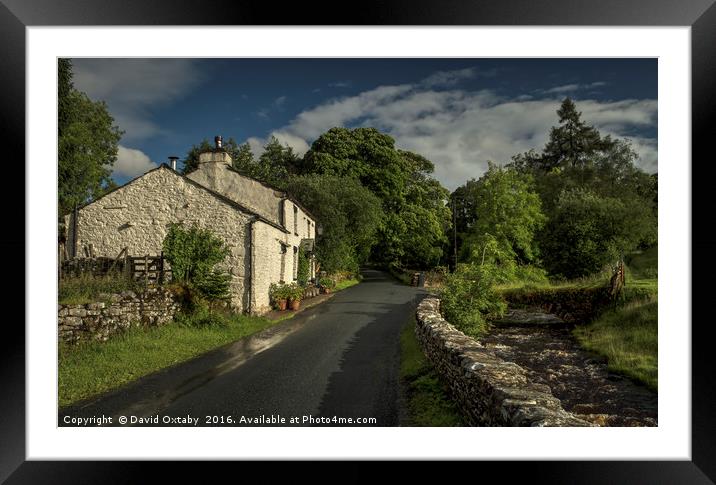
{"type": "Point", "coordinates": [459, 113]}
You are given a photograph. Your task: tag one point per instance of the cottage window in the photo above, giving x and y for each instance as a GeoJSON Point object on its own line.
{"type": "Point", "coordinates": [308, 229]}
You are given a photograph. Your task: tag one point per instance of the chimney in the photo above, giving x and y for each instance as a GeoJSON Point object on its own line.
{"type": "Point", "coordinates": [173, 162]}
{"type": "Point", "coordinates": [216, 155]}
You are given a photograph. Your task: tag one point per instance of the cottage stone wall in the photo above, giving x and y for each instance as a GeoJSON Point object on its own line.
{"type": "Point", "coordinates": [137, 216]}
{"type": "Point", "coordinates": [252, 194]}
{"type": "Point", "coordinates": [267, 248]}
{"type": "Point", "coordinates": [488, 390]}
{"type": "Point", "coordinates": [118, 312]}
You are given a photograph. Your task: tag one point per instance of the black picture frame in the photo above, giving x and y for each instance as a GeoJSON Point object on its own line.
{"type": "Point", "coordinates": [700, 15]}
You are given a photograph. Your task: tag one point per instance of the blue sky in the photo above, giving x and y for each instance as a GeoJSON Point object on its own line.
{"type": "Point", "coordinates": [459, 113]}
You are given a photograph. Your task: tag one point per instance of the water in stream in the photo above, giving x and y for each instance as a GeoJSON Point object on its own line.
{"type": "Point", "coordinates": [580, 379]}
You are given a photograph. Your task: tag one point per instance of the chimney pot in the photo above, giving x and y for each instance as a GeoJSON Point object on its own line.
{"type": "Point", "coordinates": [217, 141]}
{"type": "Point", "coordinates": [173, 162]}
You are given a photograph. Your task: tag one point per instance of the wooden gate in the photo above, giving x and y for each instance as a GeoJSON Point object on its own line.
{"type": "Point", "coordinates": [149, 269]}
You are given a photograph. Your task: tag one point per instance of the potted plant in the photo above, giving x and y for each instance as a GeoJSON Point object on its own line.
{"type": "Point", "coordinates": [294, 293]}
{"type": "Point", "coordinates": [327, 285]}
{"type": "Point", "coordinates": [279, 295]}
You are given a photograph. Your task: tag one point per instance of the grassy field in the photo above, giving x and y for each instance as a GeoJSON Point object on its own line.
{"type": "Point", "coordinates": [628, 338]}
{"type": "Point", "coordinates": [96, 367]}
{"type": "Point", "coordinates": [428, 403]}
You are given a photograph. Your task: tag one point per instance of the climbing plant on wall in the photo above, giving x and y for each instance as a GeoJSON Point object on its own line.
{"type": "Point", "coordinates": [304, 269]}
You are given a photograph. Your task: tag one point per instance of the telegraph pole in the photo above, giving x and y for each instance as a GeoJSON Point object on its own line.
{"type": "Point", "coordinates": [454, 234]}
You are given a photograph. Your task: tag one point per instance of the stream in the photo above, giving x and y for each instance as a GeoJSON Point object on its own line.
{"type": "Point", "coordinates": [544, 346]}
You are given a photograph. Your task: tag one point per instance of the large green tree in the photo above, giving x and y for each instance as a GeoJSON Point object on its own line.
{"type": "Point", "coordinates": [349, 216]}
{"type": "Point", "coordinates": [365, 154]}
{"type": "Point", "coordinates": [588, 231]}
{"type": "Point", "coordinates": [87, 144]}
{"type": "Point", "coordinates": [414, 203]}
{"type": "Point", "coordinates": [277, 163]}
{"type": "Point", "coordinates": [507, 213]}
{"type": "Point", "coordinates": [581, 170]}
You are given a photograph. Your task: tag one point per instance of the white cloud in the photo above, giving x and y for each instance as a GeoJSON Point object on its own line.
{"type": "Point", "coordinates": [567, 88]}
{"type": "Point", "coordinates": [131, 162]}
{"type": "Point", "coordinates": [461, 130]}
{"type": "Point", "coordinates": [132, 87]}
{"type": "Point", "coordinates": [451, 78]}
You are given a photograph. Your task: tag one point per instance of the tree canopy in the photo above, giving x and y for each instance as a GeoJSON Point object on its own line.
{"type": "Point", "coordinates": [416, 216]}
{"type": "Point", "coordinates": [581, 170]}
{"type": "Point", "coordinates": [87, 144]}
{"type": "Point", "coordinates": [349, 215]}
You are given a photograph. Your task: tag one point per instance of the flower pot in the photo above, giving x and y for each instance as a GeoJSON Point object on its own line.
{"type": "Point", "coordinates": [282, 304]}
{"type": "Point", "coordinates": [295, 304]}
{"type": "Point", "coordinates": [327, 291]}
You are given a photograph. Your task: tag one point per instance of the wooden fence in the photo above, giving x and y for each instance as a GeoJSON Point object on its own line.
{"type": "Point", "coordinates": [617, 281]}
{"type": "Point", "coordinates": [148, 269]}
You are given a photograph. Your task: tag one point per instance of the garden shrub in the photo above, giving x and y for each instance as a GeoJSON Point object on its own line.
{"type": "Point", "coordinates": [193, 254]}
{"type": "Point", "coordinates": [468, 298]}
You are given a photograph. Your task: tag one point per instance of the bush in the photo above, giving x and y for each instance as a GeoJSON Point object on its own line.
{"type": "Point", "coordinates": [193, 253]}
{"type": "Point", "coordinates": [327, 283]}
{"type": "Point", "coordinates": [468, 298]}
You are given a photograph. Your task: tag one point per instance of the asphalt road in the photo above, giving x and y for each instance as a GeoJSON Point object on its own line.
{"type": "Point", "coordinates": [339, 359]}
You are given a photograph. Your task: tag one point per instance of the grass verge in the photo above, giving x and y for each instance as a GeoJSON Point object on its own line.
{"type": "Point", "coordinates": [628, 338]}
{"type": "Point", "coordinates": [342, 285]}
{"type": "Point", "coordinates": [93, 368]}
{"type": "Point", "coordinates": [427, 399]}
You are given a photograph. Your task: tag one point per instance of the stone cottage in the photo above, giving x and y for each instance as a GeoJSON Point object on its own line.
{"type": "Point", "coordinates": [262, 226]}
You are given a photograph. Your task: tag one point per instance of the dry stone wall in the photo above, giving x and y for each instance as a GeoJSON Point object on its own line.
{"type": "Point", "coordinates": [115, 314]}
{"type": "Point", "coordinates": [488, 390]}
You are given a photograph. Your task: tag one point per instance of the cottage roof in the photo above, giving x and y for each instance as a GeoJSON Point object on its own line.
{"type": "Point", "coordinates": [219, 196]}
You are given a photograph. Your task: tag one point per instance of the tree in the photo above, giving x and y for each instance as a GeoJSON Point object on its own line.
{"type": "Point", "coordinates": [349, 214]}
{"type": "Point", "coordinates": [572, 142]}
{"type": "Point", "coordinates": [277, 163]}
{"type": "Point", "coordinates": [580, 169]}
{"type": "Point", "coordinates": [87, 144]}
{"type": "Point", "coordinates": [365, 154]}
{"type": "Point", "coordinates": [507, 213]}
{"type": "Point", "coordinates": [588, 231]}
{"type": "Point", "coordinates": [416, 216]}
{"type": "Point", "coordinates": [241, 156]}
{"type": "Point", "coordinates": [243, 160]}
